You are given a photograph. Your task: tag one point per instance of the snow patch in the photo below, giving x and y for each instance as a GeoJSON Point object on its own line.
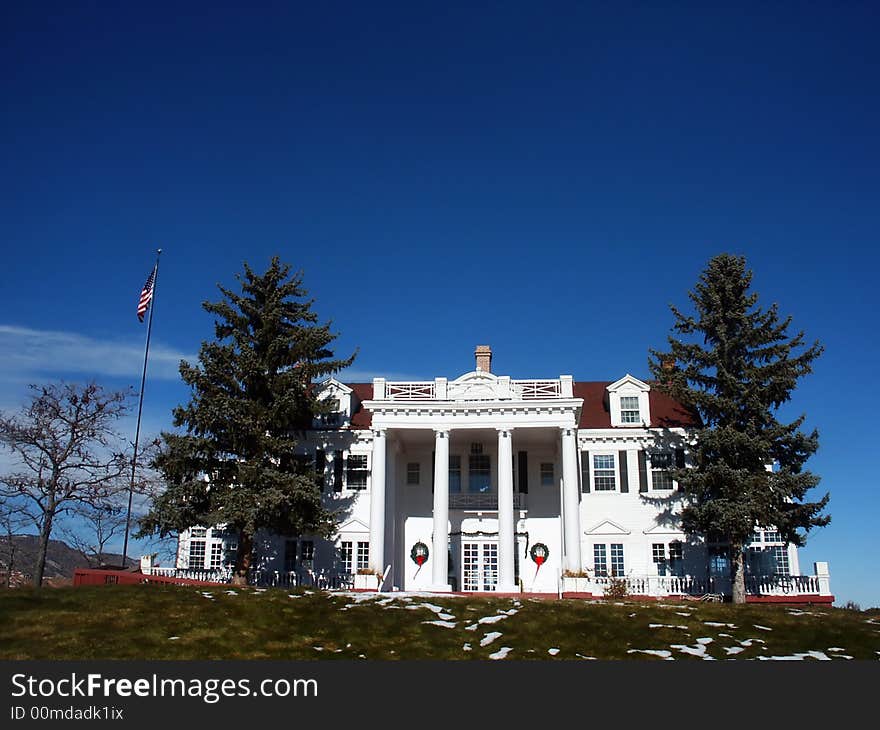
{"type": "Point", "coordinates": [663, 653]}
{"type": "Point", "coordinates": [501, 653]}
{"type": "Point", "coordinates": [489, 638]}
{"type": "Point", "coordinates": [444, 624]}
{"type": "Point", "coordinates": [801, 656]}
{"type": "Point", "coordinates": [763, 628]}
{"type": "Point", "coordinates": [665, 626]}
{"type": "Point", "coordinates": [553, 652]}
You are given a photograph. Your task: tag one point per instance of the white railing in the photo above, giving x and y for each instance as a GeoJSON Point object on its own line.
{"type": "Point", "coordinates": [503, 389]}
{"type": "Point", "coordinates": [535, 389]}
{"type": "Point", "coordinates": [260, 577]}
{"type": "Point", "coordinates": [410, 390]}
{"type": "Point", "coordinates": [782, 585]}
{"type": "Point", "coordinates": [486, 501]}
{"type": "Point", "coordinates": [671, 585]}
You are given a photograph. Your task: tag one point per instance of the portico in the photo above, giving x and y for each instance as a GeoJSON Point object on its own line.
{"type": "Point", "coordinates": [480, 430]}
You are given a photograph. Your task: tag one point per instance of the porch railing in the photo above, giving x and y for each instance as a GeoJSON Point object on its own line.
{"type": "Point", "coordinates": [670, 585]}
{"type": "Point", "coordinates": [262, 578]}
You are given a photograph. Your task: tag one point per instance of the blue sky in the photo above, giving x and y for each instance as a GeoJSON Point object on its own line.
{"type": "Point", "coordinates": [544, 178]}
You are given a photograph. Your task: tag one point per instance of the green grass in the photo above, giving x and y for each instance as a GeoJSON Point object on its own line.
{"type": "Point", "coordinates": [140, 622]}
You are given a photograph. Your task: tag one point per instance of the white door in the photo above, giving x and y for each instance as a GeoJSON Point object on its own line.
{"type": "Point", "coordinates": [479, 566]}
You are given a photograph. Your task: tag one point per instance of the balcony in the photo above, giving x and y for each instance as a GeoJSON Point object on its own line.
{"type": "Point", "coordinates": [483, 502]}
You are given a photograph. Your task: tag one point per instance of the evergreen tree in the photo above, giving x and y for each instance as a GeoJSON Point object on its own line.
{"type": "Point", "coordinates": [736, 366]}
{"type": "Point", "coordinates": [252, 396]}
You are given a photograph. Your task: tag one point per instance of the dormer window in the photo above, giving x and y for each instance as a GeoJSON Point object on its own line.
{"type": "Point", "coordinates": [629, 409]}
{"type": "Point", "coordinates": [331, 417]}
{"type": "Point", "coordinates": [335, 400]}
{"type": "Point", "coordinates": [628, 402]}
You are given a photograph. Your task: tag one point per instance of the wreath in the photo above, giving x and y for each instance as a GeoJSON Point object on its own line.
{"type": "Point", "coordinates": [539, 553]}
{"type": "Point", "coordinates": [419, 553]}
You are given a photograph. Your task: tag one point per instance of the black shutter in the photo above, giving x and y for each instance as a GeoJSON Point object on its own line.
{"type": "Point", "coordinates": [679, 458]}
{"type": "Point", "coordinates": [643, 472]}
{"type": "Point", "coordinates": [585, 471]}
{"type": "Point", "coordinates": [320, 466]}
{"type": "Point", "coordinates": [433, 459]}
{"type": "Point", "coordinates": [624, 474]}
{"type": "Point", "coordinates": [337, 471]}
{"type": "Point", "coordinates": [522, 471]}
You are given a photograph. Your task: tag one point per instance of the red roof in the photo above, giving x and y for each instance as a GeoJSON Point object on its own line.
{"type": "Point", "coordinates": [665, 412]}
{"type": "Point", "coordinates": [595, 413]}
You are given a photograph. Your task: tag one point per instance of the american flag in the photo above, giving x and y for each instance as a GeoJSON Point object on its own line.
{"type": "Point", "coordinates": [146, 296]}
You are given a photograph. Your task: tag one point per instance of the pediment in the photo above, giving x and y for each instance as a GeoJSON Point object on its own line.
{"type": "Point", "coordinates": [478, 385]}
{"type": "Point", "coordinates": [353, 525]}
{"type": "Point", "coordinates": [333, 386]}
{"type": "Point", "coordinates": [656, 529]}
{"type": "Point", "coordinates": [607, 527]}
{"type": "Point", "coordinates": [630, 382]}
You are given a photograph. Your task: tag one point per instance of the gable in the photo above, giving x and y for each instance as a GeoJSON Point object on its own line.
{"type": "Point", "coordinates": [607, 527]}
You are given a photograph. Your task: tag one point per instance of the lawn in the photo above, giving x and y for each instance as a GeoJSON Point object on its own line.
{"type": "Point", "coordinates": [175, 622]}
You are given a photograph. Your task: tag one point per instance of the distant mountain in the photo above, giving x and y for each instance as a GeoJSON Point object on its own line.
{"type": "Point", "coordinates": [61, 559]}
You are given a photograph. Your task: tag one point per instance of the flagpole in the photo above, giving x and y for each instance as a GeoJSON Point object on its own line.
{"type": "Point", "coordinates": [137, 433]}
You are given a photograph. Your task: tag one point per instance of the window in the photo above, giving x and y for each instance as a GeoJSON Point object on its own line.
{"type": "Point", "coordinates": [345, 557]}
{"type": "Point", "coordinates": [357, 471]}
{"type": "Point", "coordinates": [661, 463]}
{"type": "Point", "coordinates": [216, 555]}
{"type": "Point", "coordinates": [479, 474]}
{"type": "Point", "coordinates": [198, 532]}
{"type": "Point", "coordinates": [780, 560]}
{"type": "Point", "coordinates": [772, 536]}
{"type": "Point", "coordinates": [719, 562]}
{"type": "Point", "coordinates": [412, 472]}
{"type": "Point", "coordinates": [454, 474]}
{"type": "Point", "coordinates": [603, 473]}
{"type": "Point", "coordinates": [658, 552]}
{"type": "Point", "coordinates": [617, 560]}
{"type": "Point", "coordinates": [363, 555]}
{"type": "Point", "coordinates": [333, 417]}
{"type": "Point", "coordinates": [600, 560]}
{"type": "Point", "coordinates": [197, 553]}
{"type": "Point", "coordinates": [547, 479]}
{"type": "Point", "coordinates": [629, 409]}
{"type": "Point", "coordinates": [307, 551]}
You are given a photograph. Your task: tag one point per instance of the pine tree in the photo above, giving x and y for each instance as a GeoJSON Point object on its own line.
{"type": "Point", "coordinates": [735, 368]}
{"type": "Point", "coordinates": [252, 396]}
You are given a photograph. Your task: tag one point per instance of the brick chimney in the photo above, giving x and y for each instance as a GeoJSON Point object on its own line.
{"type": "Point", "coordinates": [484, 358]}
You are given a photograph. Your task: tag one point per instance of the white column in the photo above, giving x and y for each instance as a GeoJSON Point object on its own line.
{"type": "Point", "coordinates": [377, 503]}
{"type": "Point", "coordinates": [440, 551]}
{"type": "Point", "coordinates": [506, 543]}
{"type": "Point", "coordinates": [571, 502]}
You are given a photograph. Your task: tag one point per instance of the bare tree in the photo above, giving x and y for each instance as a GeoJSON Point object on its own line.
{"type": "Point", "coordinates": [96, 525]}
{"type": "Point", "coordinates": [12, 519]}
{"type": "Point", "coordinates": [67, 453]}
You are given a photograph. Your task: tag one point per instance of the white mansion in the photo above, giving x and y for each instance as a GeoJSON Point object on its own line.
{"type": "Point", "coordinates": [485, 483]}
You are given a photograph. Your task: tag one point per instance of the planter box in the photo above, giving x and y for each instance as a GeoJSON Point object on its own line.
{"type": "Point", "coordinates": [577, 585]}
{"type": "Point", "coordinates": [366, 582]}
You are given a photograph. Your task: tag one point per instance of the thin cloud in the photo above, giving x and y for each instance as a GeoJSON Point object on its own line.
{"type": "Point", "coordinates": [25, 352]}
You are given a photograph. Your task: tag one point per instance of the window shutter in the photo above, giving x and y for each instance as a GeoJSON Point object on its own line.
{"type": "Point", "coordinates": [624, 474]}
{"type": "Point", "coordinates": [337, 471]}
{"type": "Point", "coordinates": [320, 465]}
{"type": "Point", "coordinates": [522, 471]}
{"type": "Point", "coordinates": [643, 472]}
{"type": "Point", "coordinates": [433, 459]}
{"type": "Point", "coordinates": [585, 471]}
{"type": "Point", "coordinates": [679, 458]}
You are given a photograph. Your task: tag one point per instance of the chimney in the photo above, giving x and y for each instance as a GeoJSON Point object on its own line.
{"type": "Point", "coordinates": [484, 358]}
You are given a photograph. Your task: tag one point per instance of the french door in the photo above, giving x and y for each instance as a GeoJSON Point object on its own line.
{"type": "Point", "coordinates": [479, 566]}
